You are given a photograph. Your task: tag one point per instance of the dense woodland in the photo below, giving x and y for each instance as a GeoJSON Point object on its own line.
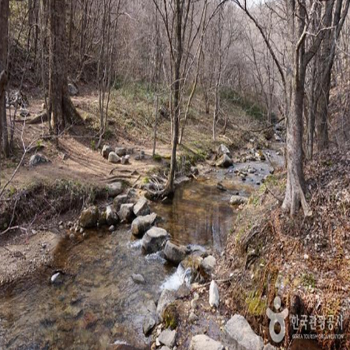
{"type": "Point", "coordinates": [285, 64]}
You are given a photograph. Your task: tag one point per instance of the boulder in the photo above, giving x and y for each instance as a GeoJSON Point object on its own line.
{"type": "Point", "coordinates": [148, 324]}
{"type": "Point", "coordinates": [37, 159]}
{"type": "Point", "coordinates": [203, 342]}
{"type": "Point", "coordinates": [168, 338]}
{"type": "Point", "coordinates": [240, 332]}
{"type": "Point", "coordinates": [166, 298]}
{"type": "Point", "coordinates": [214, 298]}
{"type": "Point", "coordinates": [113, 158]}
{"type": "Point", "coordinates": [224, 162]}
{"type": "Point", "coordinates": [238, 200]}
{"type": "Point", "coordinates": [106, 150]}
{"type": "Point", "coordinates": [207, 266]}
{"type": "Point", "coordinates": [126, 213]}
{"type": "Point", "coordinates": [174, 253]}
{"type": "Point", "coordinates": [120, 151]}
{"type": "Point", "coordinates": [154, 240]}
{"type": "Point", "coordinates": [223, 150]}
{"type": "Point", "coordinates": [142, 224]}
{"type": "Point", "coordinates": [72, 90]}
{"type": "Point", "coordinates": [138, 279]}
{"type": "Point", "coordinates": [191, 265]}
{"type": "Point", "coordinates": [114, 189]}
{"type": "Point", "coordinates": [119, 200]}
{"type": "Point", "coordinates": [89, 217]}
{"type": "Point", "coordinates": [111, 216]}
{"type": "Point", "coordinates": [142, 208]}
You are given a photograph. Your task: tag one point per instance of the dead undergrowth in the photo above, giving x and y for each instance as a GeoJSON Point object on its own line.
{"type": "Point", "coordinates": [306, 261]}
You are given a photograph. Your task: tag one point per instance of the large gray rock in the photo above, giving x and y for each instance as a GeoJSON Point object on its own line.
{"type": "Point", "coordinates": [142, 208]}
{"type": "Point", "coordinates": [238, 200]}
{"type": "Point", "coordinates": [214, 298]}
{"type": "Point", "coordinates": [154, 240]}
{"type": "Point", "coordinates": [37, 159]}
{"type": "Point", "coordinates": [166, 298]}
{"type": "Point", "coordinates": [113, 158]}
{"type": "Point", "coordinates": [148, 324]}
{"type": "Point", "coordinates": [126, 213]}
{"type": "Point", "coordinates": [224, 162]}
{"type": "Point", "coordinates": [106, 150]}
{"type": "Point", "coordinates": [223, 150]}
{"type": "Point", "coordinates": [174, 253]}
{"type": "Point", "coordinates": [168, 338]}
{"type": "Point", "coordinates": [207, 266]}
{"type": "Point", "coordinates": [114, 189]}
{"type": "Point", "coordinates": [111, 216]}
{"type": "Point", "coordinates": [142, 224]}
{"type": "Point", "coordinates": [120, 151]}
{"type": "Point", "coordinates": [240, 332]}
{"type": "Point", "coordinates": [203, 342]}
{"type": "Point", "coordinates": [89, 217]}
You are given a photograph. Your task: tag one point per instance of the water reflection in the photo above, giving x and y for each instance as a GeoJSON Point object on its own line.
{"type": "Point", "coordinates": [198, 214]}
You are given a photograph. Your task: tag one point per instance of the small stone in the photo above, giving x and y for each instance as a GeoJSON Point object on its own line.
{"type": "Point", "coordinates": [154, 240]}
{"type": "Point", "coordinates": [113, 158]}
{"type": "Point", "coordinates": [111, 216]}
{"type": "Point", "coordinates": [214, 298]}
{"type": "Point", "coordinates": [142, 224]}
{"type": "Point", "coordinates": [168, 338]}
{"type": "Point", "coordinates": [148, 324]}
{"type": "Point", "coordinates": [142, 208]}
{"type": "Point", "coordinates": [56, 278]}
{"type": "Point", "coordinates": [115, 189]}
{"type": "Point", "coordinates": [138, 279]}
{"type": "Point", "coordinates": [174, 253]}
{"type": "Point", "coordinates": [125, 160]}
{"type": "Point", "coordinates": [89, 217]}
{"type": "Point", "coordinates": [72, 89]}
{"type": "Point", "coordinates": [126, 213]}
{"type": "Point", "coordinates": [238, 200]}
{"type": "Point", "coordinates": [203, 342]}
{"type": "Point", "coordinates": [193, 317]}
{"type": "Point", "coordinates": [106, 150]}
{"type": "Point", "coordinates": [207, 266]}
{"type": "Point", "coordinates": [37, 159]}
{"type": "Point", "coordinates": [111, 228]}
{"type": "Point", "coordinates": [72, 237]}
{"type": "Point", "coordinates": [120, 151]}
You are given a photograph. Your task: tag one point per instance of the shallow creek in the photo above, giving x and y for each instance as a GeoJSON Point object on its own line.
{"type": "Point", "coordinates": [97, 303]}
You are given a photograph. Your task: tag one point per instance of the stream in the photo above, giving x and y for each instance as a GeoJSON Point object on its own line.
{"type": "Point", "coordinates": [96, 302]}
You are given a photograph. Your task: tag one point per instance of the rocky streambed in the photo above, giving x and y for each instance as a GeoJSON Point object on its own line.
{"type": "Point", "coordinates": [110, 283]}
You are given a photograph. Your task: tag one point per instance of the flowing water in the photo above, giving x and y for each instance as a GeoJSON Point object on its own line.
{"type": "Point", "coordinates": [97, 303]}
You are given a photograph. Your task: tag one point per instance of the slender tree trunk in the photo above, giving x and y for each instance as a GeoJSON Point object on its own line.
{"type": "Point", "coordinates": [169, 189]}
{"type": "Point", "coordinates": [61, 108]}
{"type": "Point", "coordinates": [4, 15]}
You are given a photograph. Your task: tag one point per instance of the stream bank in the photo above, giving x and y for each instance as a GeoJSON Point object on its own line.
{"type": "Point", "coordinates": [96, 301]}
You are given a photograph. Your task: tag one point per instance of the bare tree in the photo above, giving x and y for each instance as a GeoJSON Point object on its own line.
{"type": "Point", "coordinates": [4, 16]}
{"type": "Point", "coordinates": [61, 109]}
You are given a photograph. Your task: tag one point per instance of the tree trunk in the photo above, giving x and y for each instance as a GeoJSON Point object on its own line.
{"type": "Point", "coordinates": [169, 189]}
{"type": "Point", "coordinates": [4, 15]}
{"type": "Point", "coordinates": [61, 109]}
{"type": "Point", "coordinates": [295, 174]}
